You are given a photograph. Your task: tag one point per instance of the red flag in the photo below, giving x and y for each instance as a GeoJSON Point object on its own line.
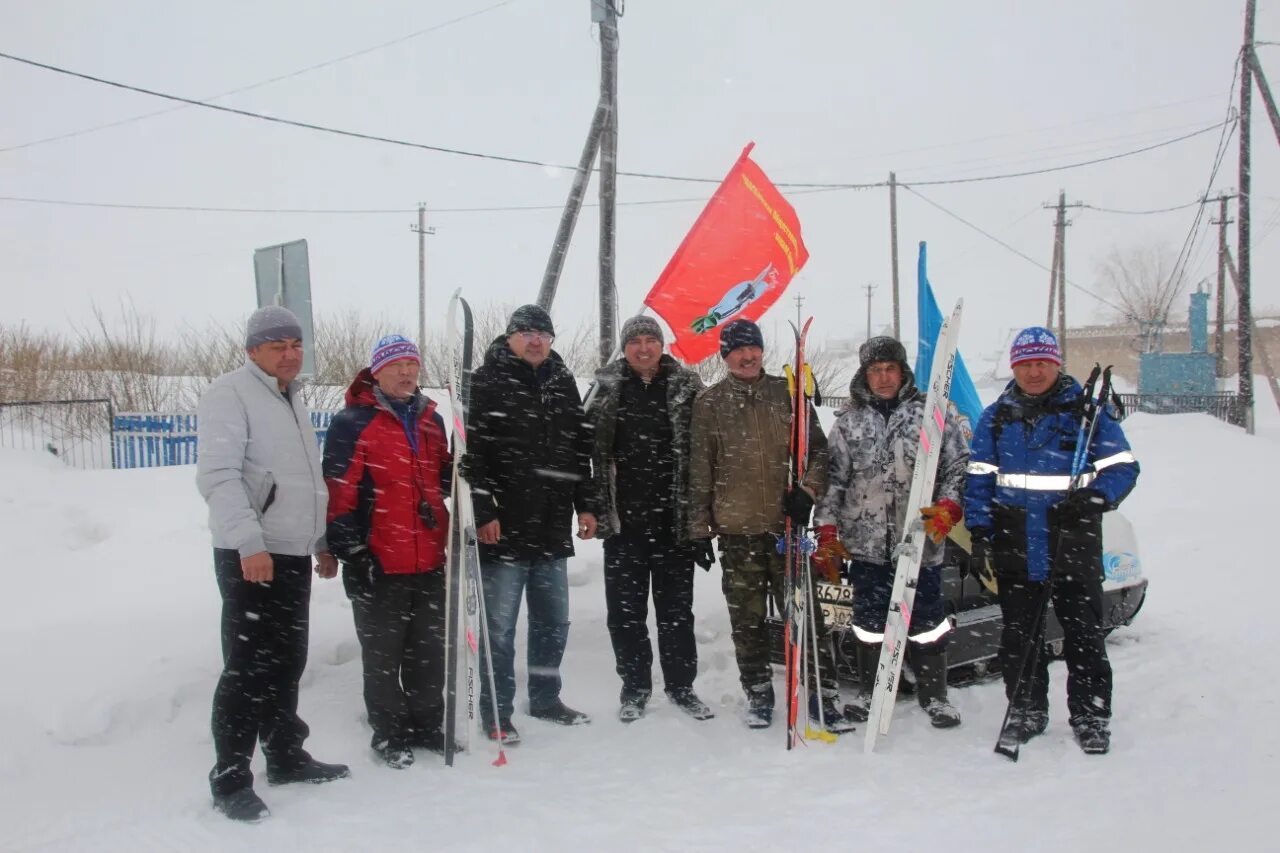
{"type": "Point", "coordinates": [735, 262]}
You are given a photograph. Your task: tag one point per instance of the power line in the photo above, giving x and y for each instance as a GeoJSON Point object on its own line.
{"type": "Point", "coordinates": [1002, 243]}
{"type": "Point", "coordinates": [1051, 169]}
{"type": "Point", "coordinates": [543, 165]}
{"type": "Point", "coordinates": [316, 67]}
{"type": "Point", "coordinates": [1097, 209]}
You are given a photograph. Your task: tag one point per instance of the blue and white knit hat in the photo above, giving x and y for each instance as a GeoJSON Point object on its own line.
{"type": "Point", "coordinates": [392, 348]}
{"type": "Point", "coordinates": [1035, 343]}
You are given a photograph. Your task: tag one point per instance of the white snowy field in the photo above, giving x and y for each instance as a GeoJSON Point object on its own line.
{"type": "Point", "coordinates": [109, 653]}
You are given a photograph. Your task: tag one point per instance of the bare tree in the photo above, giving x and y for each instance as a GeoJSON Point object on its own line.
{"type": "Point", "coordinates": [124, 361]}
{"type": "Point", "coordinates": [1144, 283]}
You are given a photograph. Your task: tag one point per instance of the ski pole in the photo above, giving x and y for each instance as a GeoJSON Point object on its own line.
{"type": "Point", "coordinates": [488, 660]}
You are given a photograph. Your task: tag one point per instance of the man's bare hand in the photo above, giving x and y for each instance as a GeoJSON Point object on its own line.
{"type": "Point", "coordinates": [258, 568]}
{"type": "Point", "coordinates": [490, 533]}
{"type": "Point", "coordinates": [326, 564]}
{"type": "Point", "coordinates": [586, 525]}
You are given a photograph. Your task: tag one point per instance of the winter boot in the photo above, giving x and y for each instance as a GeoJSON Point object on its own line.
{"type": "Point", "coordinates": [686, 700]}
{"type": "Point", "coordinates": [832, 719]}
{"type": "Point", "coordinates": [1092, 734]}
{"type": "Point", "coordinates": [866, 657]}
{"type": "Point", "coordinates": [310, 770]}
{"type": "Point", "coordinates": [560, 714]}
{"type": "Point", "coordinates": [931, 688]}
{"type": "Point", "coordinates": [632, 705]}
{"type": "Point", "coordinates": [760, 706]}
{"type": "Point", "coordinates": [243, 805]}
{"type": "Point", "coordinates": [504, 730]}
{"type": "Point", "coordinates": [394, 753]}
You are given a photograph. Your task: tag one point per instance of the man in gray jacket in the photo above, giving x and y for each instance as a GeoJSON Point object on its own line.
{"type": "Point", "coordinates": [259, 472]}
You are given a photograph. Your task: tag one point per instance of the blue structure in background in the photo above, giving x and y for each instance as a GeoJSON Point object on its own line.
{"type": "Point", "coordinates": [1182, 372]}
{"type": "Point", "coordinates": [157, 440]}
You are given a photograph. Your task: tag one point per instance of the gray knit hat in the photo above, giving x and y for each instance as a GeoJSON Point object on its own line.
{"type": "Point", "coordinates": [271, 323]}
{"type": "Point", "coordinates": [641, 324]}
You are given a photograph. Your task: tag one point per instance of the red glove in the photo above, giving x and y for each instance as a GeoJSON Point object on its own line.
{"type": "Point", "coordinates": [830, 553]}
{"type": "Point", "coordinates": [940, 518]}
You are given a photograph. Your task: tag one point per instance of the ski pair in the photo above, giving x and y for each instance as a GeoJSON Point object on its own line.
{"type": "Point", "coordinates": [463, 564]}
{"type": "Point", "coordinates": [800, 629]}
{"type": "Point", "coordinates": [1009, 742]}
{"type": "Point", "coordinates": [910, 549]}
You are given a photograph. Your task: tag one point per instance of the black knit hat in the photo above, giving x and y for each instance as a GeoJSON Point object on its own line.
{"type": "Point", "coordinates": [882, 348]}
{"type": "Point", "coordinates": [740, 333]}
{"type": "Point", "coordinates": [530, 318]}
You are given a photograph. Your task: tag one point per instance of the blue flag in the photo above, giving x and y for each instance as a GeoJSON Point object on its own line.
{"type": "Point", "coordinates": [963, 392]}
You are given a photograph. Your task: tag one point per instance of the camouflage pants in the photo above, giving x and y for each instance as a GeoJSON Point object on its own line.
{"type": "Point", "coordinates": [754, 571]}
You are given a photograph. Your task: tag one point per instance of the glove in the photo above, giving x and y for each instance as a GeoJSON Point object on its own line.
{"type": "Point", "coordinates": [940, 518]}
{"type": "Point", "coordinates": [798, 506]}
{"type": "Point", "coordinates": [703, 554]}
{"type": "Point", "coordinates": [979, 550]}
{"type": "Point", "coordinates": [357, 575]}
{"type": "Point", "coordinates": [1082, 503]}
{"type": "Point", "coordinates": [830, 555]}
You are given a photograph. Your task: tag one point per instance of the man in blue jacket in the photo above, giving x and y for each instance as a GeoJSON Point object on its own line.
{"type": "Point", "coordinates": [1023, 510]}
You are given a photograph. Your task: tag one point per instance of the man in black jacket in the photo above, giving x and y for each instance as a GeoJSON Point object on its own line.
{"type": "Point", "coordinates": [641, 415]}
{"type": "Point", "coordinates": [529, 465]}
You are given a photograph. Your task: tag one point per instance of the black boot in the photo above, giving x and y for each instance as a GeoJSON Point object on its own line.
{"type": "Point", "coordinates": [243, 805]}
{"type": "Point", "coordinates": [866, 657]}
{"type": "Point", "coordinates": [311, 771]}
{"type": "Point", "coordinates": [931, 688]}
{"type": "Point", "coordinates": [1092, 734]}
{"type": "Point", "coordinates": [760, 706]}
{"type": "Point", "coordinates": [632, 704]}
{"type": "Point", "coordinates": [560, 714]}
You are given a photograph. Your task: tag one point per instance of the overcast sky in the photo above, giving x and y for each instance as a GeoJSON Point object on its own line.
{"type": "Point", "coordinates": [829, 91]}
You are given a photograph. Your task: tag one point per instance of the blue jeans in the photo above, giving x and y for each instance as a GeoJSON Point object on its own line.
{"type": "Point", "coordinates": [545, 582]}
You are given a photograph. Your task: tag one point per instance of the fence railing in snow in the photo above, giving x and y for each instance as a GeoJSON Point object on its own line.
{"type": "Point", "coordinates": [159, 439]}
{"type": "Point", "coordinates": [1225, 406]}
{"type": "Point", "coordinates": [76, 431]}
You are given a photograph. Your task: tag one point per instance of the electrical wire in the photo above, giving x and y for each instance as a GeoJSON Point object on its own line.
{"type": "Point", "coordinates": [544, 165]}
{"type": "Point", "coordinates": [316, 67]}
{"type": "Point", "coordinates": [1005, 245]}
{"type": "Point", "coordinates": [1151, 212]}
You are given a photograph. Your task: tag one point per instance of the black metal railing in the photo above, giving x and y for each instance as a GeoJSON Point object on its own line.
{"type": "Point", "coordinates": [1225, 406]}
{"type": "Point", "coordinates": [76, 431]}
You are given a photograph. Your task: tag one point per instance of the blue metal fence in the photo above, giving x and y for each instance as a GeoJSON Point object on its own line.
{"type": "Point", "coordinates": [157, 439]}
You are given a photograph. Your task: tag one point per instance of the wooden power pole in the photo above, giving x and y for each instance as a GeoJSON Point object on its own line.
{"type": "Point", "coordinates": [1058, 277]}
{"type": "Point", "coordinates": [893, 251]}
{"type": "Point", "coordinates": [423, 232]}
{"type": "Point", "coordinates": [1220, 323]}
{"type": "Point", "coordinates": [1244, 323]}
{"type": "Point", "coordinates": [608, 177]}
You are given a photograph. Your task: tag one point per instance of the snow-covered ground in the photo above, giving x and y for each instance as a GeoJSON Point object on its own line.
{"type": "Point", "coordinates": [109, 653]}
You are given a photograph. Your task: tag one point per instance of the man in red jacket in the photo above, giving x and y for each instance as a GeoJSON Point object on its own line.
{"type": "Point", "coordinates": [387, 464]}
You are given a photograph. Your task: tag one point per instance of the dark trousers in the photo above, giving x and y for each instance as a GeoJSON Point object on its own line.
{"type": "Point", "coordinates": [754, 572]}
{"type": "Point", "coordinates": [632, 563]}
{"type": "Point", "coordinates": [873, 588]}
{"type": "Point", "coordinates": [1077, 602]}
{"type": "Point", "coordinates": [264, 650]}
{"type": "Point", "coordinates": [401, 625]}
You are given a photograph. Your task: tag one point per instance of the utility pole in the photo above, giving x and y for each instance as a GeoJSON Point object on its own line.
{"type": "Point", "coordinates": [870, 289]}
{"type": "Point", "coordinates": [1265, 91]}
{"type": "Point", "coordinates": [1058, 278]}
{"type": "Point", "coordinates": [799, 300]}
{"type": "Point", "coordinates": [1220, 330]}
{"type": "Point", "coordinates": [608, 176]}
{"type": "Point", "coordinates": [422, 231]}
{"type": "Point", "coordinates": [1244, 324]}
{"type": "Point", "coordinates": [893, 246]}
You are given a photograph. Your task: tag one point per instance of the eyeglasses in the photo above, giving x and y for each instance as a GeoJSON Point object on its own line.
{"type": "Point", "coordinates": [529, 336]}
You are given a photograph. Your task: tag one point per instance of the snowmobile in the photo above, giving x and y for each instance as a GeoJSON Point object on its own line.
{"type": "Point", "coordinates": [974, 610]}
